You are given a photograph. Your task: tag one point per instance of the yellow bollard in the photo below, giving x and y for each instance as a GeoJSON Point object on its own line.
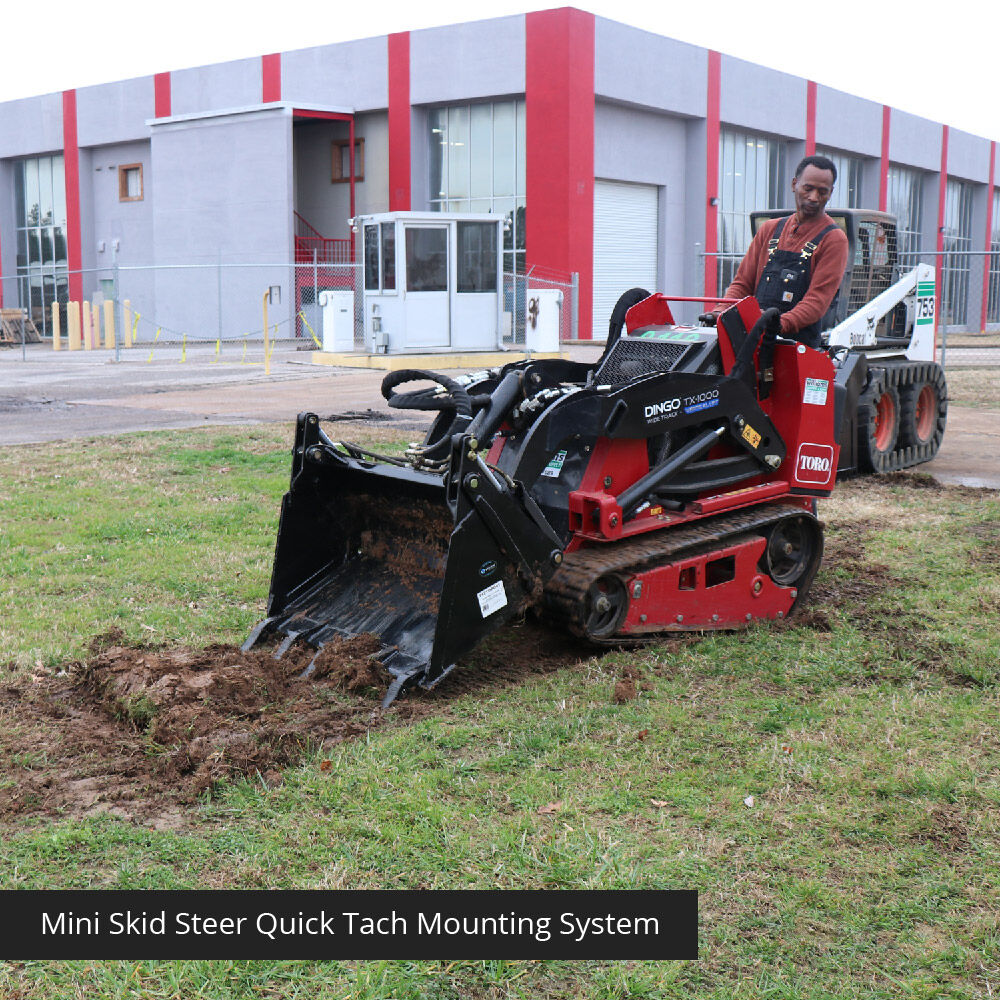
{"type": "Point", "coordinates": [109, 324]}
{"type": "Point", "coordinates": [184, 348]}
{"type": "Point", "coordinates": [127, 322]}
{"type": "Point", "coordinates": [267, 356]}
{"type": "Point", "coordinates": [135, 329]}
{"type": "Point", "coordinates": [73, 325]}
{"type": "Point", "coordinates": [56, 336]}
{"type": "Point", "coordinates": [95, 319]}
{"type": "Point", "coordinates": [87, 327]}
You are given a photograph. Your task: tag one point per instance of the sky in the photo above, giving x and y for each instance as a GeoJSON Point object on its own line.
{"type": "Point", "coordinates": [934, 61]}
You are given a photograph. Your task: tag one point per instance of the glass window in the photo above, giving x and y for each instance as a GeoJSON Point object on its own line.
{"type": "Point", "coordinates": [458, 152]}
{"type": "Point", "coordinates": [751, 177]}
{"type": "Point", "coordinates": [388, 256]}
{"type": "Point", "coordinates": [45, 191]}
{"type": "Point", "coordinates": [477, 164]}
{"type": "Point", "coordinates": [847, 190]}
{"type": "Point", "coordinates": [957, 244]}
{"type": "Point", "coordinates": [481, 151]}
{"type": "Point", "coordinates": [477, 257]}
{"type": "Point", "coordinates": [426, 259]}
{"type": "Point", "coordinates": [130, 182]}
{"type": "Point", "coordinates": [504, 149]}
{"type": "Point", "coordinates": [904, 199]}
{"type": "Point", "coordinates": [371, 258]}
{"type": "Point", "coordinates": [993, 302]}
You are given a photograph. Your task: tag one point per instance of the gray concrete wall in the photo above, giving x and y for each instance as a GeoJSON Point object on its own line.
{"type": "Point", "coordinates": [350, 75]}
{"type": "Point", "coordinates": [659, 154]}
{"type": "Point", "coordinates": [846, 122]}
{"type": "Point", "coordinates": [31, 127]}
{"type": "Point", "coordinates": [914, 141]}
{"type": "Point", "coordinates": [213, 207]}
{"type": "Point", "coordinates": [128, 222]}
{"type": "Point", "coordinates": [235, 84]}
{"type": "Point", "coordinates": [467, 62]}
{"type": "Point", "coordinates": [114, 112]}
{"type": "Point", "coordinates": [968, 157]}
{"type": "Point", "coordinates": [762, 99]}
{"type": "Point", "coordinates": [637, 67]}
{"type": "Point", "coordinates": [8, 243]}
{"type": "Point", "coordinates": [693, 239]}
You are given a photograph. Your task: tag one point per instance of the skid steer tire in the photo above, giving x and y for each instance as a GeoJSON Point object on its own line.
{"type": "Point", "coordinates": [878, 424]}
{"type": "Point", "coordinates": [923, 412]}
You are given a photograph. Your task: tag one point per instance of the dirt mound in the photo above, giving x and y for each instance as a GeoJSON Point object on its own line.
{"type": "Point", "coordinates": [141, 732]}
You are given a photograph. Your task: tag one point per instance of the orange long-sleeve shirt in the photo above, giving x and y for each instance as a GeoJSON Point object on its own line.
{"type": "Point", "coordinates": [826, 267]}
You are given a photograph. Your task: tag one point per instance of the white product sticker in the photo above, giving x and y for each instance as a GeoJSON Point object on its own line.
{"type": "Point", "coordinates": [492, 599]}
{"type": "Point", "coordinates": [555, 465]}
{"type": "Point", "coordinates": [816, 390]}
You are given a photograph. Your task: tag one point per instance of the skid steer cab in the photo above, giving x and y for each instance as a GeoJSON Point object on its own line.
{"type": "Point", "coordinates": [671, 486]}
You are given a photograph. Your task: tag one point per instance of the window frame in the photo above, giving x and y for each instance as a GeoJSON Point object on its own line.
{"type": "Point", "coordinates": [337, 147]}
{"type": "Point", "coordinates": [123, 169]}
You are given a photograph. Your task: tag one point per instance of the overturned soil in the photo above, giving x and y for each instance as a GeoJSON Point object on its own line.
{"type": "Point", "coordinates": [142, 732]}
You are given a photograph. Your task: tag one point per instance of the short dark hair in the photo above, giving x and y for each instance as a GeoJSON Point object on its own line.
{"type": "Point", "coordinates": [821, 162]}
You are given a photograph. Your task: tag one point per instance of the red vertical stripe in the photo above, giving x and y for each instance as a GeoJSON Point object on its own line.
{"type": "Point", "coordinates": [270, 73]}
{"type": "Point", "coordinates": [712, 113]}
{"type": "Point", "coordinates": [883, 183]}
{"type": "Point", "coordinates": [399, 122]}
{"type": "Point", "coordinates": [989, 236]}
{"type": "Point", "coordinates": [559, 156]}
{"type": "Point", "coordinates": [942, 195]}
{"type": "Point", "coordinates": [810, 118]}
{"type": "Point", "coordinates": [161, 95]}
{"type": "Point", "coordinates": [71, 159]}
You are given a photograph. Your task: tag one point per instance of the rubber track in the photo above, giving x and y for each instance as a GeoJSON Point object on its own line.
{"type": "Point", "coordinates": [565, 593]}
{"type": "Point", "coordinates": [901, 376]}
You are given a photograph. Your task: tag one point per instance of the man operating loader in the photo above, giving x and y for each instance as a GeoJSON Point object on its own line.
{"type": "Point", "coordinates": [796, 264]}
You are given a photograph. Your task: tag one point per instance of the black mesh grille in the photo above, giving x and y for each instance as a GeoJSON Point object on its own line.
{"type": "Point", "coordinates": [631, 358]}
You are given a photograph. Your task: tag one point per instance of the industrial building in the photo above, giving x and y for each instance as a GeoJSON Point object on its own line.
{"type": "Point", "coordinates": [614, 155]}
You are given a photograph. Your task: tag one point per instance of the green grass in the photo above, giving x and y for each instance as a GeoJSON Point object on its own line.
{"type": "Point", "coordinates": [867, 866]}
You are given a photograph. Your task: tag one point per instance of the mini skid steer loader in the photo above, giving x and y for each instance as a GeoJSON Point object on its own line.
{"type": "Point", "coordinates": [670, 487]}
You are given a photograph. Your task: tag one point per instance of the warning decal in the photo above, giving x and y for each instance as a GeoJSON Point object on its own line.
{"type": "Point", "coordinates": [492, 599]}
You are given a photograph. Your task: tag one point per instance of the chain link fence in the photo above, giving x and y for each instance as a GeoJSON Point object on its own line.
{"type": "Point", "coordinates": [228, 304]}
{"type": "Point", "coordinates": [968, 308]}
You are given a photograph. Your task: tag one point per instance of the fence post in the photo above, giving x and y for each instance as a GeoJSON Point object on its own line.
{"type": "Point", "coordinates": [574, 305]}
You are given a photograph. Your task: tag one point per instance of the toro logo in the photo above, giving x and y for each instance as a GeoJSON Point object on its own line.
{"type": "Point", "coordinates": [814, 463]}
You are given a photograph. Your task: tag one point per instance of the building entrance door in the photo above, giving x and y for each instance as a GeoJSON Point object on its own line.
{"type": "Point", "coordinates": [427, 286]}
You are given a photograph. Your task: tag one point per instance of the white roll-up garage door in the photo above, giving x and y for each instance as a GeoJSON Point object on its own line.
{"type": "Point", "coordinates": [625, 233]}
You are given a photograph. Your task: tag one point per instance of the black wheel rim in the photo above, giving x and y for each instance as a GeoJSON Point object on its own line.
{"type": "Point", "coordinates": [605, 607]}
{"type": "Point", "coordinates": [790, 551]}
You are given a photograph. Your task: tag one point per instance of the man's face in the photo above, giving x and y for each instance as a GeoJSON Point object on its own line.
{"type": "Point", "coordinates": [812, 189]}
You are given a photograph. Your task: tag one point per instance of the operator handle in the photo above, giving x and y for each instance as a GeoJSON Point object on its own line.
{"type": "Point", "coordinates": [770, 323]}
{"type": "Point", "coordinates": [457, 398]}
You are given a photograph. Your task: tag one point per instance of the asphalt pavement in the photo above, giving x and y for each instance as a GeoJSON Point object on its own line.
{"type": "Point", "coordinates": [48, 395]}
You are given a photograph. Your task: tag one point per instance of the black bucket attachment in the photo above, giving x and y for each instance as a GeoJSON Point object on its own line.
{"type": "Point", "coordinates": [428, 563]}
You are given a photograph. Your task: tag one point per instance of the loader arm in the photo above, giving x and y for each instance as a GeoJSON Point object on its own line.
{"type": "Point", "coordinates": [916, 290]}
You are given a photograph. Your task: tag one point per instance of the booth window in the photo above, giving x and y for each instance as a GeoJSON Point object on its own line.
{"type": "Point", "coordinates": [130, 182]}
{"type": "Point", "coordinates": [426, 259]}
{"type": "Point", "coordinates": [477, 256]}
{"type": "Point", "coordinates": [388, 256]}
{"type": "Point", "coordinates": [371, 259]}
{"type": "Point", "coordinates": [341, 161]}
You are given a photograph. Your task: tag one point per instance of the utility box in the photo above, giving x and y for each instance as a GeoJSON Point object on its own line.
{"type": "Point", "coordinates": [432, 281]}
{"type": "Point", "coordinates": [543, 319]}
{"type": "Point", "coordinates": [338, 320]}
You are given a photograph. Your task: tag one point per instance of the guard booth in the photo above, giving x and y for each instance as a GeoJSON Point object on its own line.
{"type": "Point", "coordinates": [432, 281]}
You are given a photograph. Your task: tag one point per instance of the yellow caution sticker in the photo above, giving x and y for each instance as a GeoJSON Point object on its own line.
{"type": "Point", "coordinates": [750, 436]}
